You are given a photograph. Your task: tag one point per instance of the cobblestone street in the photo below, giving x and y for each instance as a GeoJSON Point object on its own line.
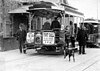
{"type": "Point", "coordinates": [14, 61]}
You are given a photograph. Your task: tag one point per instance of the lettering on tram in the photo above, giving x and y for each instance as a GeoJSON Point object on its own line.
{"type": "Point", "coordinates": [30, 37]}
{"type": "Point", "coordinates": [48, 38]}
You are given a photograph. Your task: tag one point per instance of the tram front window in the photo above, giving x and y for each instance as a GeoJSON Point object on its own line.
{"type": "Point", "coordinates": [95, 27]}
{"type": "Point", "coordinates": [55, 23]}
{"type": "Point", "coordinates": [91, 28]}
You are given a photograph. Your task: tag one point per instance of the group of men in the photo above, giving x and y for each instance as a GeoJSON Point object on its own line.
{"type": "Point", "coordinates": [81, 36]}
{"type": "Point", "coordinates": [21, 33]}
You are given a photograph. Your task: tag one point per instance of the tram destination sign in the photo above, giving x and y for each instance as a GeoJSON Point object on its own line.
{"type": "Point", "coordinates": [48, 38]}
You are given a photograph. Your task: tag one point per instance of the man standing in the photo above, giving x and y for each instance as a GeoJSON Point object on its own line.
{"type": "Point", "coordinates": [67, 36]}
{"type": "Point", "coordinates": [82, 38]}
{"type": "Point", "coordinates": [21, 37]}
{"type": "Point", "coordinates": [55, 24]}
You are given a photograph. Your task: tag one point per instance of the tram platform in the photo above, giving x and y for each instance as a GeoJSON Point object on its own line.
{"type": "Point", "coordinates": [55, 52]}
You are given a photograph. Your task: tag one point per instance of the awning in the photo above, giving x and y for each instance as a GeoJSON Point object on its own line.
{"type": "Point", "coordinates": [73, 12]}
{"type": "Point", "coordinates": [22, 9]}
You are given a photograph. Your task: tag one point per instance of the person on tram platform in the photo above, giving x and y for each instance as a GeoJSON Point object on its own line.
{"type": "Point", "coordinates": [55, 23]}
{"type": "Point", "coordinates": [56, 26]}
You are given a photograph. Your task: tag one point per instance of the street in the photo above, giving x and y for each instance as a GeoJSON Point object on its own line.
{"type": "Point", "coordinates": [14, 61]}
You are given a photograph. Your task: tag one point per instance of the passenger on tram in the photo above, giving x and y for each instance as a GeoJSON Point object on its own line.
{"type": "Point", "coordinates": [55, 24]}
{"type": "Point", "coordinates": [46, 26]}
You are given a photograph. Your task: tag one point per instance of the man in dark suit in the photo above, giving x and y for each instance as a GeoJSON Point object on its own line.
{"type": "Point", "coordinates": [82, 38]}
{"type": "Point", "coordinates": [55, 24]}
{"type": "Point", "coordinates": [21, 37]}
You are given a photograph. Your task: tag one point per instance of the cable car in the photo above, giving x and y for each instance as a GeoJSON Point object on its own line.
{"type": "Point", "coordinates": [93, 32]}
{"type": "Point", "coordinates": [40, 35]}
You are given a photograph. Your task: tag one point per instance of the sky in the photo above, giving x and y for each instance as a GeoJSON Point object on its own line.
{"type": "Point", "coordinates": [88, 7]}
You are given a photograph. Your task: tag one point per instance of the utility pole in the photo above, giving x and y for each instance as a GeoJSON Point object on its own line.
{"type": "Point", "coordinates": [98, 21]}
{"type": "Point", "coordinates": [3, 13]}
{"type": "Point", "coordinates": [97, 9]}
{"type": "Point", "coordinates": [3, 10]}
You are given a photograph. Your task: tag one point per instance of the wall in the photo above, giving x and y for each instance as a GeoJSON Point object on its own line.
{"type": "Point", "coordinates": [6, 6]}
{"type": "Point", "coordinates": [5, 24]}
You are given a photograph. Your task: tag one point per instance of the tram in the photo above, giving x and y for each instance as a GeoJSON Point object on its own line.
{"type": "Point", "coordinates": [92, 27]}
{"type": "Point", "coordinates": [40, 36]}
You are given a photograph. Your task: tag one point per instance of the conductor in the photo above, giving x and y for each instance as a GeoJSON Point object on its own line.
{"type": "Point", "coordinates": [55, 24]}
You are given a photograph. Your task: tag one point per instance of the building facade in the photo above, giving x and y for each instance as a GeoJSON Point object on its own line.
{"type": "Point", "coordinates": [5, 23]}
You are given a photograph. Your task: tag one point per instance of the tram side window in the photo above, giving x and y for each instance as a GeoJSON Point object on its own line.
{"type": "Point", "coordinates": [33, 24]}
{"type": "Point", "coordinates": [91, 29]}
{"type": "Point", "coordinates": [95, 27]}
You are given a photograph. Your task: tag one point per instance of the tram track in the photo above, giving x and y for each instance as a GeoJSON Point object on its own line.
{"type": "Point", "coordinates": [86, 64]}
{"type": "Point", "coordinates": [90, 65]}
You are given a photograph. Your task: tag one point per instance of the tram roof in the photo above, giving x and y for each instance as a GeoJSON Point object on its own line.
{"type": "Point", "coordinates": [91, 21]}
{"type": "Point", "coordinates": [87, 21]}
{"type": "Point", "coordinates": [48, 5]}
{"type": "Point", "coordinates": [51, 6]}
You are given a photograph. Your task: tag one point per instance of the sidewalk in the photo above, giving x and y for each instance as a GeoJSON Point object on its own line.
{"type": "Point", "coordinates": [14, 61]}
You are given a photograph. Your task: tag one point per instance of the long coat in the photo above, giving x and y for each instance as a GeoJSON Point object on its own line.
{"type": "Point", "coordinates": [82, 37]}
{"type": "Point", "coordinates": [55, 24]}
{"type": "Point", "coordinates": [21, 35]}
